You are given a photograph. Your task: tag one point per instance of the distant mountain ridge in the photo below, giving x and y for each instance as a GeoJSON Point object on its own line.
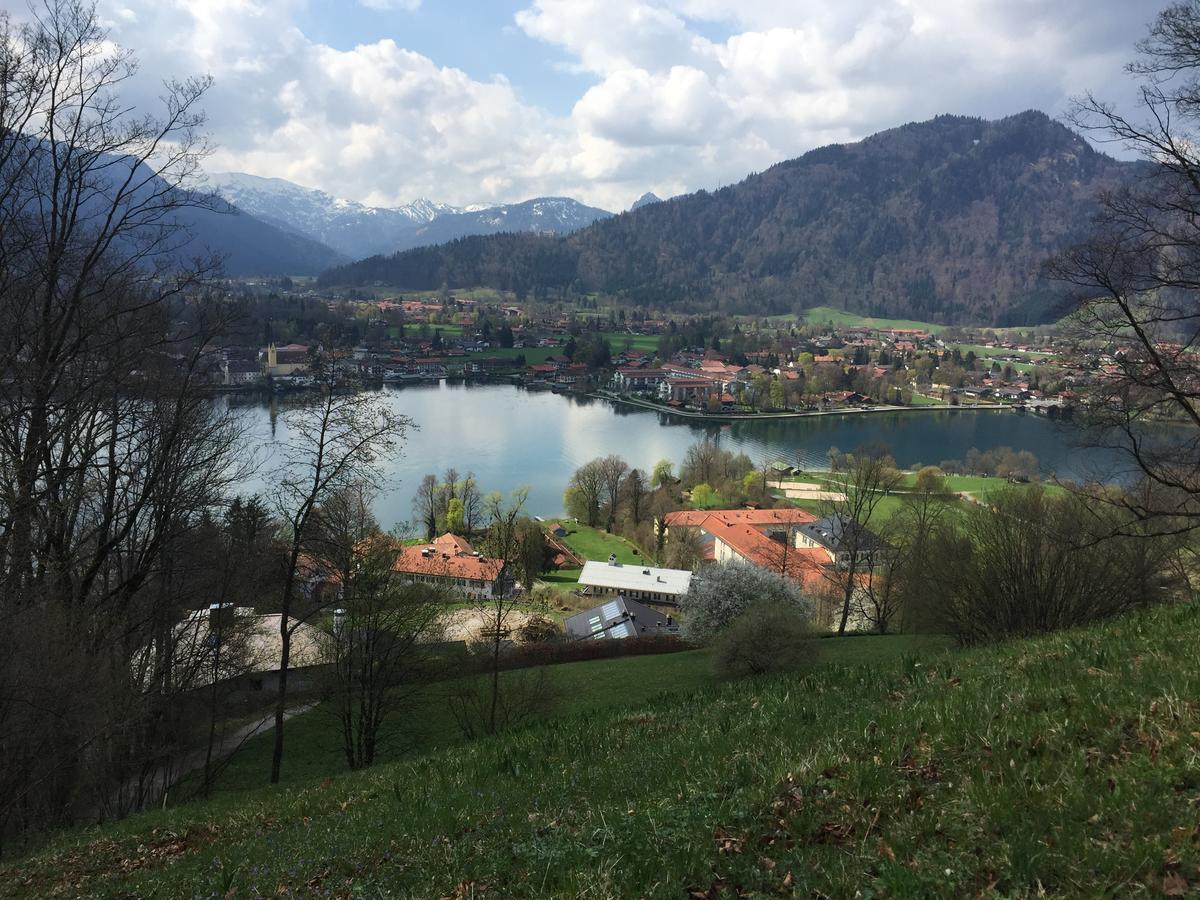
{"type": "Point", "coordinates": [645, 200]}
{"type": "Point", "coordinates": [357, 230]}
{"type": "Point", "coordinates": [946, 220]}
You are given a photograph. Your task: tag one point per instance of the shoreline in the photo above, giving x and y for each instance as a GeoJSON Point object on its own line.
{"type": "Point", "coordinates": [740, 417]}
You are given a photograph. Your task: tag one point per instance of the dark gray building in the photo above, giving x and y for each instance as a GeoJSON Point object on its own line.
{"type": "Point", "coordinates": [619, 618]}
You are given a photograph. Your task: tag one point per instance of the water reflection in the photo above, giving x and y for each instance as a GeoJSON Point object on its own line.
{"type": "Point", "coordinates": [510, 437]}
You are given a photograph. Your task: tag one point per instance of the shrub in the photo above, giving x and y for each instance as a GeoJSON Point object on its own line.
{"type": "Point", "coordinates": [1033, 563]}
{"type": "Point", "coordinates": [723, 592]}
{"type": "Point", "coordinates": [766, 638]}
{"type": "Point", "coordinates": [538, 629]}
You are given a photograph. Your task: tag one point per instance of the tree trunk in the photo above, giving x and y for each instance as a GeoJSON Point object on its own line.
{"type": "Point", "coordinates": [281, 700]}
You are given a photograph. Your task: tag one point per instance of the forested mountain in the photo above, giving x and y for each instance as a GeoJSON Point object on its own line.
{"type": "Point", "coordinates": [356, 230]}
{"type": "Point", "coordinates": [251, 246]}
{"type": "Point", "coordinates": [947, 220]}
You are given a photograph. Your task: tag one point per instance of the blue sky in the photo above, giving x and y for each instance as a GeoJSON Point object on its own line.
{"type": "Point", "coordinates": [383, 101]}
{"type": "Point", "coordinates": [481, 38]}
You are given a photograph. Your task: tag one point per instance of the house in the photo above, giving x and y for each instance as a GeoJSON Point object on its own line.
{"type": "Point", "coordinates": [688, 390]}
{"type": "Point", "coordinates": [838, 536]}
{"type": "Point", "coordinates": [635, 581]}
{"type": "Point", "coordinates": [763, 537]}
{"type": "Point", "coordinates": [618, 619]}
{"type": "Point", "coordinates": [240, 371]}
{"type": "Point", "coordinates": [450, 561]}
{"type": "Point", "coordinates": [630, 379]}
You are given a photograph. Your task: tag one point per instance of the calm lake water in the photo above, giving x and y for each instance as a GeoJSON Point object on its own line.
{"type": "Point", "coordinates": [510, 437]}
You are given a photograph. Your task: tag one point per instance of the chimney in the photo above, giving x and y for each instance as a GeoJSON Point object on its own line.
{"type": "Point", "coordinates": [220, 616]}
{"type": "Point", "coordinates": [339, 620]}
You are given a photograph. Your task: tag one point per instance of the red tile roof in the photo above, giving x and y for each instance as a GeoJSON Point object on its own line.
{"type": "Point", "coordinates": [447, 557]}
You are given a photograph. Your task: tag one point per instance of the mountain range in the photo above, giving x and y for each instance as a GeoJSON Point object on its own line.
{"type": "Point", "coordinates": [947, 220]}
{"type": "Point", "coordinates": [356, 230]}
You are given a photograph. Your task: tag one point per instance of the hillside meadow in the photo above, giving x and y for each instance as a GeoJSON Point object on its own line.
{"type": "Point", "coordinates": [1059, 766]}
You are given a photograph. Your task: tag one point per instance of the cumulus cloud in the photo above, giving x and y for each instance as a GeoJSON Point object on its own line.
{"type": "Point", "coordinates": [683, 94]}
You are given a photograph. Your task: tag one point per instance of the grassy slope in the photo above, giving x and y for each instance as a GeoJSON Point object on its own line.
{"type": "Point", "coordinates": [598, 544]}
{"type": "Point", "coordinates": [825, 315]}
{"type": "Point", "coordinates": [1064, 765]}
{"type": "Point", "coordinates": [584, 688]}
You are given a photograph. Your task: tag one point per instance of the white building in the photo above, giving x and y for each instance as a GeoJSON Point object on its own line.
{"type": "Point", "coordinates": [634, 582]}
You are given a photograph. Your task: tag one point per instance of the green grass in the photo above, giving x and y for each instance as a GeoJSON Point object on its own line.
{"type": "Point", "coordinates": [1060, 766]}
{"type": "Point", "coordinates": [427, 725]}
{"type": "Point", "coordinates": [647, 343]}
{"type": "Point", "coordinates": [564, 579]}
{"type": "Point", "coordinates": [597, 544]}
{"type": "Point", "coordinates": [826, 315]}
{"type": "Point", "coordinates": [922, 400]}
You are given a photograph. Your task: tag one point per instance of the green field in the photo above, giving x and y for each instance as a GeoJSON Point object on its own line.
{"type": "Point", "coordinates": [1059, 766]}
{"type": "Point", "coordinates": [598, 544]}
{"type": "Point", "coordinates": [827, 315]}
{"type": "Point", "coordinates": [647, 343]}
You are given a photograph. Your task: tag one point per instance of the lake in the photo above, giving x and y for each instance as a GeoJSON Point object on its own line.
{"type": "Point", "coordinates": [509, 437]}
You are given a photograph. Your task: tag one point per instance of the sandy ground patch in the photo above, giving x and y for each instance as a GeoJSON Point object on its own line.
{"type": "Point", "coordinates": [794, 485]}
{"type": "Point", "coordinates": [466, 624]}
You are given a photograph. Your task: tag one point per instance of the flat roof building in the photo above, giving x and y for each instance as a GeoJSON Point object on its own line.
{"type": "Point", "coordinates": [636, 582]}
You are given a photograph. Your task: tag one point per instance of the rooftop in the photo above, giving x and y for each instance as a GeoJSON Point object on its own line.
{"type": "Point", "coordinates": [635, 578]}
{"type": "Point", "coordinates": [619, 618]}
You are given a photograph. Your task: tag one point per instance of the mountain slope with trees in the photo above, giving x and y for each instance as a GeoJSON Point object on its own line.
{"type": "Point", "coordinates": [947, 220]}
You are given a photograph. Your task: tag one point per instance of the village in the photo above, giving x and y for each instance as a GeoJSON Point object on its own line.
{"type": "Point", "coordinates": [698, 366]}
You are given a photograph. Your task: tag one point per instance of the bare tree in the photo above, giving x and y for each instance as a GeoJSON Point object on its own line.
{"type": "Point", "coordinates": [1137, 277]}
{"type": "Point", "coordinates": [685, 549]}
{"type": "Point", "coordinates": [635, 491]}
{"type": "Point", "coordinates": [335, 443]}
{"type": "Point", "coordinates": [612, 471]}
{"type": "Point", "coordinates": [425, 505]}
{"type": "Point", "coordinates": [585, 493]}
{"type": "Point", "coordinates": [381, 639]}
{"type": "Point", "coordinates": [899, 576]}
{"type": "Point", "coordinates": [1033, 563]}
{"type": "Point", "coordinates": [110, 458]}
{"type": "Point", "coordinates": [472, 503]}
{"type": "Point", "coordinates": [502, 542]}
{"type": "Point", "coordinates": [866, 476]}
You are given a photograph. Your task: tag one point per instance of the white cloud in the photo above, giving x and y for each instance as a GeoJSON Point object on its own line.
{"type": "Point", "coordinates": [406, 5]}
{"type": "Point", "coordinates": [685, 93]}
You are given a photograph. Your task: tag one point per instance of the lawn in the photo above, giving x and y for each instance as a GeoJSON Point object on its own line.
{"type": "Point", "coordinates": [1058, 766]}
{"type": "Point", "coordinates": [923, 400]}
{"type": "Point", "coordinates": [826, 315]}
{"type": "Point", "coordinates": [597, 544]}
{"type": "Point", "coordinates": [647, 343]}
{"type": "Point", "coordinates": [564, 579]}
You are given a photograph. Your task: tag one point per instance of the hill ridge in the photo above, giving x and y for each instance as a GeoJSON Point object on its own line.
{"type": "Point", "coordinates": [946, 220]}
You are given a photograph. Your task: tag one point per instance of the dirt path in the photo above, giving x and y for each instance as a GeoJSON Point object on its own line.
{"type": "Point", "coordinates": [150, 789]}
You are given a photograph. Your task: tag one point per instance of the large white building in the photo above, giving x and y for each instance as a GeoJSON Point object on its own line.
{"type": "Point", "coordinates": [635, 582]}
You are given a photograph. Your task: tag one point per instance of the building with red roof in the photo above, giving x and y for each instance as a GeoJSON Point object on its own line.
{"type": "Point", "coordinates": [450, 561]}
